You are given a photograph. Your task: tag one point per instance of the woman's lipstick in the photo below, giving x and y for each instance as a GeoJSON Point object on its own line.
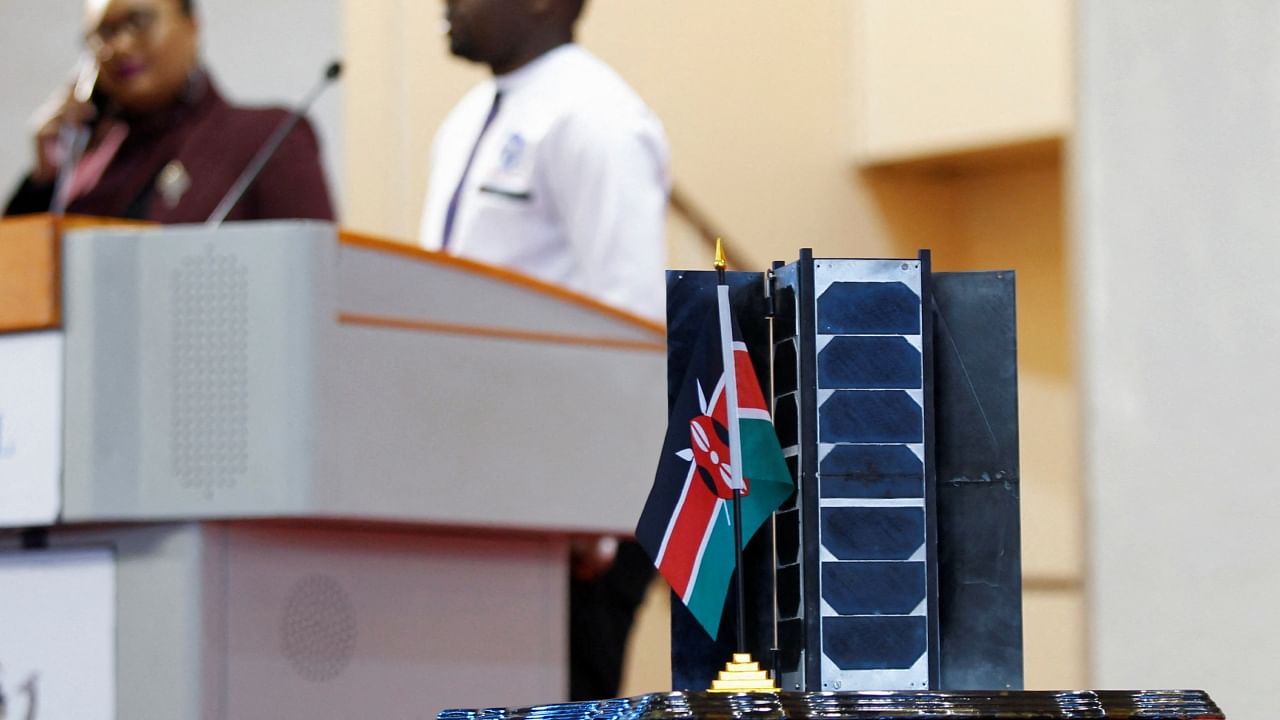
{"type": "Point", "coordinates": [126, 70]}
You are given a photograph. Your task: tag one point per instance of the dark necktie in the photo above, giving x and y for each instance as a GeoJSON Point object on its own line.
{"type": "Point", "coordinates": [452, 212]}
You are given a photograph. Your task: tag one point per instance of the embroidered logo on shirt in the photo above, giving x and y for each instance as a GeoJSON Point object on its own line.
{"type": "Point", "coordinates": [511, 152]}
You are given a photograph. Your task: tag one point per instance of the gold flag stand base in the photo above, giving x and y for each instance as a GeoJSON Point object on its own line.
{"type": "Point", "coordinates": [741, 675]}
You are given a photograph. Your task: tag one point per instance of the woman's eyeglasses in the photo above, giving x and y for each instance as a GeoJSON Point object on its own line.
{"type": "Point", "coordinates": [136, 23]}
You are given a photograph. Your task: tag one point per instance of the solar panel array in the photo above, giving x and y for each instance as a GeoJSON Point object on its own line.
{"type": "Point", "coordinates": [853, 550]}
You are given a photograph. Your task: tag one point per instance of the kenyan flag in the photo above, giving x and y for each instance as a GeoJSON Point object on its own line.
{"type": "Point", "coordinates": [719, 438]}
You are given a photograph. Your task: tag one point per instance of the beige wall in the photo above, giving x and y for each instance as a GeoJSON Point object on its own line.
{"type": "Point", "coordinates": [1175, 216]}
{"type": "Point", "coordinates": [767, 109]}
{"type": "Point", "coordinates": [945, 75]}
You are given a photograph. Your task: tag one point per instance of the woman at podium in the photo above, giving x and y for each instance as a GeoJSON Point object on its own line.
{"type": "Point", "coordinates": [144, 133]}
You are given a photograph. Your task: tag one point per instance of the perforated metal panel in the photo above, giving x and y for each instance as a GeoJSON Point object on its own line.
{"type": "Point", "coordinates": [318, 629]}
{"type": "Point", "coordinates": [210, 370]}
{"type": "Point", "coordinates": [192, 368]}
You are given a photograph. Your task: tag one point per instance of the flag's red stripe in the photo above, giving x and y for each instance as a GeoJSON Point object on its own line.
{"type": "Point", "coordinates": [689, 527]}
{"type": "Point", "coordinates": [749, 395]}
{"type": "Point", "coordinates": [719, 408]}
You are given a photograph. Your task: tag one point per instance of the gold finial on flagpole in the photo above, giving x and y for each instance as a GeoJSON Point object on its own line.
{"type": "Point", "coordinates": [720, 261]}
{"type": "Point", "coordinates": [741, 675]}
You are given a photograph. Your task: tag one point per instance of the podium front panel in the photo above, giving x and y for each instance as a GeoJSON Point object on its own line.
{"type": "Point", "coordinates": [267, 369]}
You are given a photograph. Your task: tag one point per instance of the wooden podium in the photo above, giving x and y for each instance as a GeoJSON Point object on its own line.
{"type": "Point", "coordinates": [338, 474]}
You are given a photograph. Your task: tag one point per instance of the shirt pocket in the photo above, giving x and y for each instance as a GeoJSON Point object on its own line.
{"type": "Point", "coordinates": [510, 176]}
{"type": "Point", "coordinates": [510, 191]}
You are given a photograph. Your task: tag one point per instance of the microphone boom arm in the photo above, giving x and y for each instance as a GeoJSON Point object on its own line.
{"type": "Point", "coordinates": [269, 148]}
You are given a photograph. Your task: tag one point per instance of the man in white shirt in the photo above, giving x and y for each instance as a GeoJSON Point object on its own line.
{"type": "Point", "coordinates": [554, 167]}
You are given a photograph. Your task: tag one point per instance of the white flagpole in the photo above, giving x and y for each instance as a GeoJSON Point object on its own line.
{"type": "Point", "coordinates": [730, 388]}
{"type": "Point", "coordinates": [736, 482]}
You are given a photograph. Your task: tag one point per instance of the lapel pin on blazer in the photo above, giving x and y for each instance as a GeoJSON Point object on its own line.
{"type": "Point", "coordinates": [173, 182]}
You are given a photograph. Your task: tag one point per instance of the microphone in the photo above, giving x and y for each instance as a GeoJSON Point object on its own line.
{"type": "Point", "coordinates": [73, 139]}
{"type": "Point", "coordinates": [270, 147]}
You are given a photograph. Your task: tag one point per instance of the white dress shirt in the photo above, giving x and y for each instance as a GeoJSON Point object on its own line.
{"type": "Point", "coordinates": [568, 184]}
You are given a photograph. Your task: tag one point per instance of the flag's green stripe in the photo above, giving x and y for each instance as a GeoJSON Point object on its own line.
{"type": "Point", "coordinates": [711, 584]}
{"type": "Point", "coordinates": [762, 462]}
